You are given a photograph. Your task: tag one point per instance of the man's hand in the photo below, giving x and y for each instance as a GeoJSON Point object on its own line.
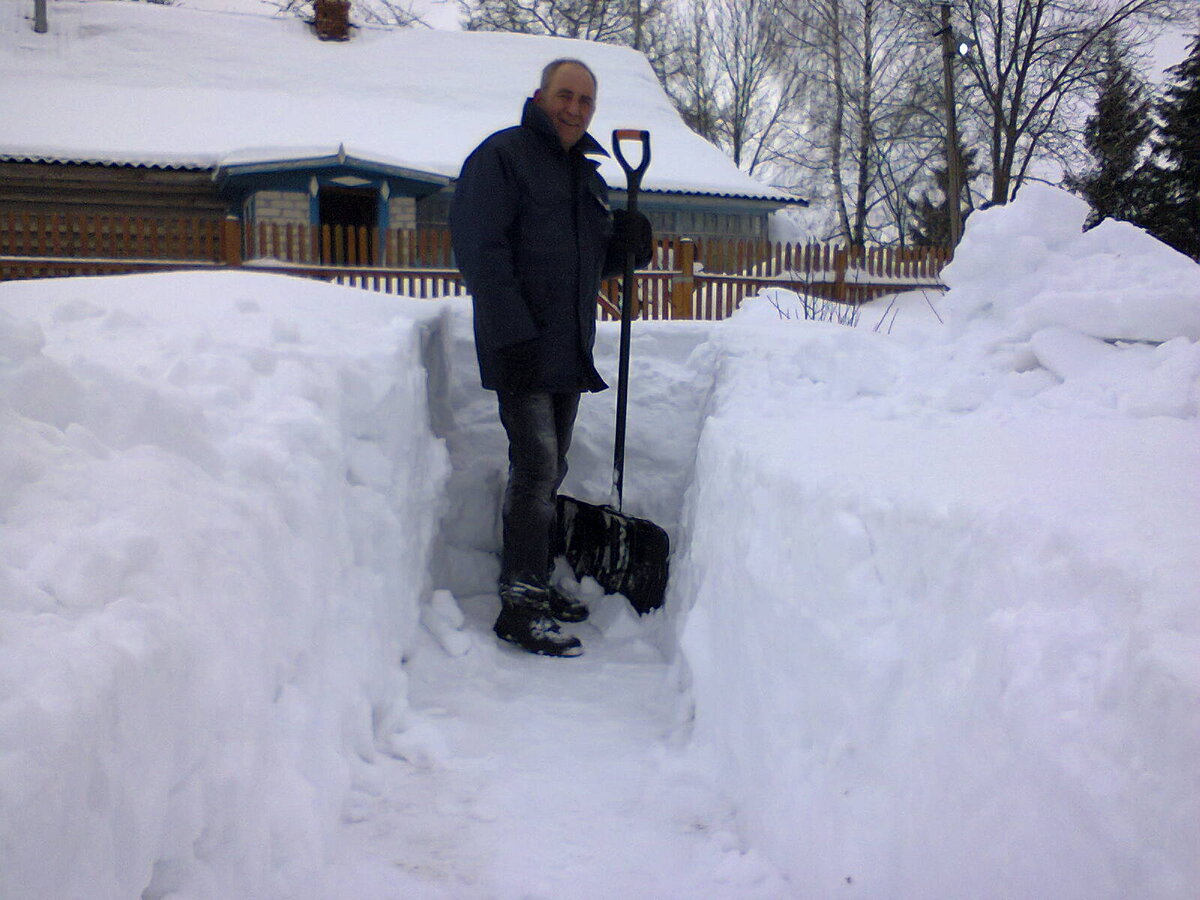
{"type": "Point", "coordinates": [633, 232]}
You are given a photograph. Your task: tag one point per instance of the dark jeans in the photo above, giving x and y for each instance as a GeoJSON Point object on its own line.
{"type": "Point", "coordinates": [539, 427]}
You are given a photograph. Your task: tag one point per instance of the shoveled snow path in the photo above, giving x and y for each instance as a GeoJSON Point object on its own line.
{"type": "Point", "coordinates": [534, 777]}
{"type": "Point", "coordinates": [525, 776]}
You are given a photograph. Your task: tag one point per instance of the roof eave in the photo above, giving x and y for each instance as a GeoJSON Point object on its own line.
{"type": "Point", "coordinates": [757, 199]}
{"type": "Point", "coordinates": [222, 172]}
{"type": "Point", "coordinates": [225, 171]}
{"type": "Point", "coordinates": [64, 159]}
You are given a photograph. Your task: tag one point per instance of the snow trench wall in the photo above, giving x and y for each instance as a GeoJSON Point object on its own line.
{"type": "Point", "coordinates": [924, 679]}
{"type": "Point", "coordinates": [671, 376]}
{"type": "Point", "coordinates": [217, 498]}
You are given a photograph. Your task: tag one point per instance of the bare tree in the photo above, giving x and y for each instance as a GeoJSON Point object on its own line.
{"type": "Point", "coordinates": [398, 13]}
{"type": "Point", "coordinates": [912, 149]}
{"type": "Point", "coordinates": [621, 22]}
{"type": "Point", "coordinates": [749, 51]}
{"type": "Point", "coordinates": [864, 125]}
{"type": "Point", "coordinates": [1034, 69]}
{"type": "Point", "coordinates": [734, 81]}
{"type": "Point", "coordinates": [389, 12]}
{"type": "Point", "coordinates": [641, 24]}
{"type": "Point", "coordinates": [694, 87]}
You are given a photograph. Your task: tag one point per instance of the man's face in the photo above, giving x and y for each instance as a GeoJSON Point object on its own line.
{"type": "Point", "coordinates": [569, 100]}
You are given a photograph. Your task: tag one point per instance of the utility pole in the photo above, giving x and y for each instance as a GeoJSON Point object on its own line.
{"type": "Point", "coordinates": [39, 17]}
{"type": "Point", "coordinates": [954, 175]}
{"type": "Point", "coordinates": [637, 25]}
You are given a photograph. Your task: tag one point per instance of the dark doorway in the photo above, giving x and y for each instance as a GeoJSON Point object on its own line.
{"type": "Point", "coordinates": [351, 214]}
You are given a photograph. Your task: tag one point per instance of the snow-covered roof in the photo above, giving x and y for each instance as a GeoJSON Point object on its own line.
{"type": "Point", "coordinates": [148, 85]}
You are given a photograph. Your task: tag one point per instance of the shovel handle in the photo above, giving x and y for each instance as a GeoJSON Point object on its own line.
{"type": "Point", "coordinates": [633, 174]}
{"type": "Point", "coordinates": [633, 177]}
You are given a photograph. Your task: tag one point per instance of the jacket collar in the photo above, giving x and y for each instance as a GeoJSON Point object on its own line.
{"type": "Point", "coordinates": [534, 118]}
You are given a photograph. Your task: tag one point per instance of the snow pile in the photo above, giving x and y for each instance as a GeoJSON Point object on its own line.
{"type": "Point", "coordinates": [1032, 266]}
{"type": "Point", "coordinates": [217, 496]}
{"type": "Point", "coordinates": [1108, 318]}
{"type": "Point", "coordinates": [931, 626]}
{"type": "Point", "coordinates": [940, 590]}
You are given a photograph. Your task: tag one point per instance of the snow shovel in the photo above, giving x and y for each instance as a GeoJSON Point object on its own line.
{"type": "Point", "coordinates": [625, 555]}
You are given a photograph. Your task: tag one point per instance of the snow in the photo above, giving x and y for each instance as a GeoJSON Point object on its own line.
{"type": "Point", "coordinates": [931, 630]}
{"type": "Point", "coordinates": [139, 83]}
{"type": "Point", "coordinates": [967, 661]}
{"type": "Point", "coordinates": [1092, 297]}
{"type": "Point", "coordinates": [215, 525]}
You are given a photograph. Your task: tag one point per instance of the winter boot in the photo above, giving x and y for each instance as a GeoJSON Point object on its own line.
{"type": "Point", "coordinates": [566, 608]}
{"type": "Point", "coordinates": [525, 620]}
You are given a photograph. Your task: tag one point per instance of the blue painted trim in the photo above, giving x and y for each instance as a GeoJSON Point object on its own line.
{"type": "Point", "coordinates": [236, 186]}
{"type": "Point", "coordinates": [341, 161]}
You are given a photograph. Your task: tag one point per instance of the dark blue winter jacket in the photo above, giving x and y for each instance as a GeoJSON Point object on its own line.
{"type": "Point", "coordinates": [531, 229]}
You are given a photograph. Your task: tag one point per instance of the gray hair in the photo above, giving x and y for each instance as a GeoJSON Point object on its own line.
{"type": "Point", "coordinates": [554, 65]}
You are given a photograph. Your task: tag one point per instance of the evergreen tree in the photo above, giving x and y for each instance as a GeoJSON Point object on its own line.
{"type": "Point", "coordinates": [1115, 136]}
{"type": "Point", "coordinates": [1174, 171]}
{"type": "Point", "coordinates": [930, 222]}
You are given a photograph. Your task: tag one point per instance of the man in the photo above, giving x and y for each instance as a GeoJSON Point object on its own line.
{"type": "Point", "coordinates": [534, 236]}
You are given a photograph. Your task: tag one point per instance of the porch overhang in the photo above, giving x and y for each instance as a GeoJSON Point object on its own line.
{"type": "Point", "coordinates": [238, 175]}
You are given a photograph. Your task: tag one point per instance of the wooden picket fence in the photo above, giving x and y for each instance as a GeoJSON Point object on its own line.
{"type": "Point", "coordinates": [709, 278]}
{"type": "Point", "coordinates": [702, 279]}
{"type": "Point", "coordinates": [33, 246]}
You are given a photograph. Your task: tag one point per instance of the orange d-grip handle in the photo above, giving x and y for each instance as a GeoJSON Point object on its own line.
{"type": "Point", "coordinates": [634, 174]}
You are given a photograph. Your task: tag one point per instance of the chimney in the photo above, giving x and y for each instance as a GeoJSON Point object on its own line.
{"type": "Point", "coordinates": [332, 19]}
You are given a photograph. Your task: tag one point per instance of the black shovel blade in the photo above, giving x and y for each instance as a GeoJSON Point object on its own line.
{"type": "Point", "coordinates": [625, 555]}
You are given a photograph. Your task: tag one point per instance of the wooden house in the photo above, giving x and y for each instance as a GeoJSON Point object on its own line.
{"type": "Point", "coordinates": [153, 111]}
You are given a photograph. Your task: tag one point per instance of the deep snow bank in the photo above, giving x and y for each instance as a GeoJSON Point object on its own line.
{"type": "Point", "coordinates": [941, 591]}
{"type": "Point", "coordinates": [935, 588]}
{"type": "Point", "coordinates": [217, 497]}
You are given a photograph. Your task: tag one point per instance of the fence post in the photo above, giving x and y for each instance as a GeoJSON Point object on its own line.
{"type": "Point", "coordinates": [683, 285]}
{"type": "Point", "coordinates": [840, 255]}
{"type": "Point", "coordinates": [231, 241]}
